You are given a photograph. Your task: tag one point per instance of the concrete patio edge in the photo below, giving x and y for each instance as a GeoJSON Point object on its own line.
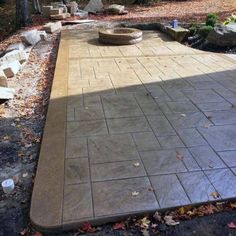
{"type": "Point", "coordinates": [46, 204]}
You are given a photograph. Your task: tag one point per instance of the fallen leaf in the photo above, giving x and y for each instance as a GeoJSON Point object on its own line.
{"type": "Point", "coordinates": [6, 138]}
{"type": "Point", "coordinates": [233, 205]}
{"type": "Point", "coordinates": [209, 209]}
{"type": "Point", "coordinates": [170, 221]}
{"type": "Point", "coordinates": [207, 125]}
{"type": "Point", "coordinates": [135, 193]}
{"type": "Point", "coordinates": [210, 165]}
{"type": "Point", "coordinates": [37, 234]}
{"type": "Point", "coordinates": [215, 195]}
{"type": "Point", "coordinates": [120, 225]}
{"type": "Point", "coordinates": [145, 232]}
{"type": "Point", "coordinates": [87, 227]}
{"type": "Point", "coordinates": [157, 216]}
{"type": "Point", "coordinates": [25, 175]}
{"type": "Point", "coordinates": [145, 222]}
{"type": "Point", "coordinates": [179, 156]}
{"type": "Point", "coordinates": [181, 210]}
{"type": "Point", "coordinates": [232, 225]}
{"type": "Point", "coordinates": [24, 232]}
{"type": "Point", "coordinates": [136, 164]}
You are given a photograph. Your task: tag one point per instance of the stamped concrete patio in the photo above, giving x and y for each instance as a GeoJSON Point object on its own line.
{"type": "Point", "coordinates": [133, 129]}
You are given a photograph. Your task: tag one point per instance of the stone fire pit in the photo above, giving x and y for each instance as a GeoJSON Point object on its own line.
{"type": "Point", "coordinates": [120, 36]}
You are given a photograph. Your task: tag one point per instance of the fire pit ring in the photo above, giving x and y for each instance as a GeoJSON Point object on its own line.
{"type": "Point", "coordinates": [120, 36]}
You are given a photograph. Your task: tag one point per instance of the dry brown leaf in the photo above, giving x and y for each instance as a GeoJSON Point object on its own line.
{"type": "Point", "coordinates": [232, 225]}
{"type": "Point", "coordinates": [233, 204]}
{"type": "Point", "coordinates": [170, 221]}
{"type": "Point", "coordinates": [120, 225]}
{"type": "Point", "coordinates": [157, 216]}
{"type": "Point", "coordinates": [145, 222]}
{"type": "Point", "coordinates": [135, 193]}
{"type": "Point", "coordinates": [136, 164]}
{"type": "Point", "coordinates": [215, 195]}
{"type": "Point", "coordinates": [179, 156]}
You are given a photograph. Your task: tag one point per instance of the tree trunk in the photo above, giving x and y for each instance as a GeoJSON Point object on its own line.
{"type": "Point", "coordinates": [22, 13]}
{"type": "Point", "coordinates": [37, 6]}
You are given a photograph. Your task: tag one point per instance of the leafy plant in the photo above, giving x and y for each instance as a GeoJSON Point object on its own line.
{"type": "Point", "coordinates": [211, 19]}
{"type": "Point", "coordinates": [231, 19]}
{"type": "Point", "coordinates": [205, 30]}
{"type": "Point", "coordinates": [193, 29]}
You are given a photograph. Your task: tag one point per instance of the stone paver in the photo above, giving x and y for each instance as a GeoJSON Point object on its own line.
{"type": "Point", "coordinates": [125, 120]}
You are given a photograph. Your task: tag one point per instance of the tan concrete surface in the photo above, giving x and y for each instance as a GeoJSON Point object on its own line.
{"type": "Point", "coordinates": [126, 119]}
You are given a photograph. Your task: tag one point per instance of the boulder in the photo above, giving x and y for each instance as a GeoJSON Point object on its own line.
{"type": "Point", "coordinates": [94, 6]}
{"type": "Point", "coordinates": [3, 79]}
{"type": "Point", "coordinates": [31, 37]}
{"type": "Point", "coordinates": [116, 9]}
{"type": "Point", "coordinates": [15, 55]}
{"type": "Point", "coordinates": [46, 11]}
{"type": "Point", "coordinates": [11, 69]}
{"type": "Point", "coordinates": [223, 35]}
{"type": "Point", "coordinates": [52, 27]}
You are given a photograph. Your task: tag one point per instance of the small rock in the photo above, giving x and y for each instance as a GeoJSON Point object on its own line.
{"type": "Point", "coordinates": [43, 35]}
{"type": "Point", "coordinates": [52, 27]}
{"type": "Point", "coordinates": [94, 6]}
{"type": "Point", "coordinates": [31, 37]}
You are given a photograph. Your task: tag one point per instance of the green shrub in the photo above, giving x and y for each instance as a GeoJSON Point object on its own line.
{"type": "Point", "coordinates": [211, 19]}
{"type": "Point", "coordinates": [205, 30]}
{"type": "Point", "coordinates": [193, 30]}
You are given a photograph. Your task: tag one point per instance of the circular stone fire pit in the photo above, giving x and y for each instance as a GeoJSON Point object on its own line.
{"type": "Point", "coordinates": [120, 36]}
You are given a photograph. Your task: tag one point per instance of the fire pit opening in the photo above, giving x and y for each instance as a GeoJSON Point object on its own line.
{"type": "Point", "coordinates": [120, 36]}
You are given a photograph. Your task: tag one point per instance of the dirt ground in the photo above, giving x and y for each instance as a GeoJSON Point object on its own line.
{"type": "Point", "coordinates": [21, 126]}
{"type": "Point", "coordinates": [187, 11]}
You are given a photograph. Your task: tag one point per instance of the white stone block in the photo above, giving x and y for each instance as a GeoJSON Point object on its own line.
{"type": "Point", "coordinates": [52, 27]}
{"type": "Point", "coordinates": [31, 37]}
{"type": "Point", "coordinates": [12, 56]}
{"type": "Point", "coordinates": [11, 69]}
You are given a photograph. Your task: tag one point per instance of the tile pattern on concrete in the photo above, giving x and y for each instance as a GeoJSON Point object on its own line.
{"type": "Point", "coordinates": [133, 129]}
